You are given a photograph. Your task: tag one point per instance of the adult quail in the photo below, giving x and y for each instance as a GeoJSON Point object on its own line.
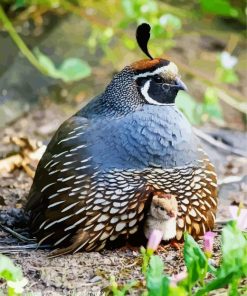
{"type": "Point", "coordinates": [162, 216]}
{"type": "Point", "coordinates": [99, 171]}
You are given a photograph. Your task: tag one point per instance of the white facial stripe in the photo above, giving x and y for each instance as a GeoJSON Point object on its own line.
{"type": "Point", "coordinates": [171, 67]}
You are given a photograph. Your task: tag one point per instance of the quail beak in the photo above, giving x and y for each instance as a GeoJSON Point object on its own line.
{"type": "Point", "coordinates": [180, 85]}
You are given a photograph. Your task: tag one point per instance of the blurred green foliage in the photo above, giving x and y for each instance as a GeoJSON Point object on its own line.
{"type": "Point", "coordinates": [134, 9]}
{"type": "Point", "coordinates": [225, 71]}
{"type": "Point", "coordinates": [164, 25]}
{"type": "Point", "coordinates": [17, 4]}
{"type": "Point", "coordinates": [167, 20]}
{"type": "Point", "coordinates": [198, 113]}
{"type": "Point", "coordinates": [219, 7]}
{"type": "Point", "coordinates": [12, 275]}
{"type": "Point", "coordinates": [71, 69]}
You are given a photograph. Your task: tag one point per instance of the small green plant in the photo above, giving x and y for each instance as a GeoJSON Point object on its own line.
{"type": "Point", "coordinates": [120, 291]}
{"type": "Point", "coordinates": [233, 266]}
{"type": "Point", "coordinates": [12, 275]}
{"type": "Point", "coordinates": [194, 280]}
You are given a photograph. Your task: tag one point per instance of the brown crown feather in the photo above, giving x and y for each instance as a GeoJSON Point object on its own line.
{"type": "Point", "coordinates": [150, 65]}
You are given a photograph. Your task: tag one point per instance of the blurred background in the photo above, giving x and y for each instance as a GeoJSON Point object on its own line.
{"type": "Point", "coordinates": [57, 54]}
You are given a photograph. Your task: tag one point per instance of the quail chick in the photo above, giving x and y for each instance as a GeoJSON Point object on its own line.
{"type": "Point", "coordinates": [162, 216]}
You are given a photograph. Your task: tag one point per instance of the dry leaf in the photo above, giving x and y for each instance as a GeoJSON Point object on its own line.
{"type": "Point", "coordinates": [10, 163]}
{"type": "Point", "coordinates": [28, 157]}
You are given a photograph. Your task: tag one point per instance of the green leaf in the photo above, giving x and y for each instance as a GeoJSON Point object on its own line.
{"type": "Point", "coordinates": [189, 107]}
{"type": "Point", "coordinates": [219, 7]}
{"type": "Point", "coordinates": [46, 62]}
{"type": "Point", "coordinates": [156, 266]}
{"type": "Point", "coordinates": [74, 69]}
{"type": "Point", "coordinates": [176, 291]}
{"type": "Point", "coordinates": [227, 75]}
{"type": "Point", "coordinates": [234, 251]}
{"type": "Point", "coordinates": [234, 265]}
{"type": "Point", "coordinates": [8, 271]}
{"type": "Point", "coordinates": [146, 255]}
{"type": "Point", "coordinates": [121, 291]}
{"type": "Point", "coordinates": [233, 287]}
{"type": "Point", "coordinates": [211, 104]}
{"type": "Point", "coordinates": [195, 260]}
{"type": "Point", "coordinates": [20, 4]}
{"type": "Point", "coordinates": [157, 283]}
{"type": "Point", "coordinates": [214, 285]}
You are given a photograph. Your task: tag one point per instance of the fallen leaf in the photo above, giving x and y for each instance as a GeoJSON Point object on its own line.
{"type": "Point", "coordinates": [10, 163]}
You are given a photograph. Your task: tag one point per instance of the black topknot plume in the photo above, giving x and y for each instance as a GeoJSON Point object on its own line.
{"type": "Point", "coordinates": [142, 37]}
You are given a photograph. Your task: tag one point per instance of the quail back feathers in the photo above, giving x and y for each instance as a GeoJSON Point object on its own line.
{"type": "Point", "coordinates": [104, 164]}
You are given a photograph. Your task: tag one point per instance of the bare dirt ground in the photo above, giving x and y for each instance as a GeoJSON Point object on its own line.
{"type": "Point", "coordinates": [89, 273]}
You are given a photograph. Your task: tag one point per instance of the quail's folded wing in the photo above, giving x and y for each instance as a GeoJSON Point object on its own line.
{"type": "Point", "coordinates": [59, 194]}
{"type": "Point", "coordinates": [76, 203]}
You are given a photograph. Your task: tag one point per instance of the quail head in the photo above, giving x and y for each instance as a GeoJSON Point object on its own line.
{"type": "Point", "coordinates": [100, 170]}
{"type": "Point", "coordinates": [162, 216]}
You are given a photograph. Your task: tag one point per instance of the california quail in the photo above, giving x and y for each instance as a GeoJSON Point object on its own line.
{"type": "Point", "coordinates": [104, 163]}
{"type": "Point", "coordinates": [162, 216]}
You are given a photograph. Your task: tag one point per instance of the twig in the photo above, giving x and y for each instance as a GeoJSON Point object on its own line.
{"type": "Point", "coordinates": [131, 265]}
{"type": "Point", "coordinates": [23, 247]}
{"type": "Point", "coordinates": [16, 234]}
{"type": "Point", "coordinates": [209, 139]}
{"type": "Point", "coordinates": [224, 96]}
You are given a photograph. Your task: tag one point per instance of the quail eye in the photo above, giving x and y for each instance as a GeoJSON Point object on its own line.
{"type": "Point", "coordinates": [158, 79]}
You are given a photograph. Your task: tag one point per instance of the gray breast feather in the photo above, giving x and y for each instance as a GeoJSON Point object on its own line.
{"type": "Point", "coordinates": [152, 135]}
